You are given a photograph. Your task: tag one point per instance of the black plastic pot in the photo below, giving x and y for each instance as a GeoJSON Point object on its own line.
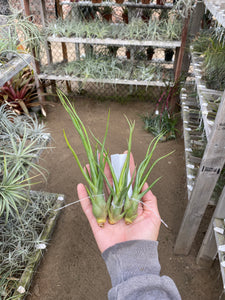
{"type": "Point", "coordinates": [169, 54]}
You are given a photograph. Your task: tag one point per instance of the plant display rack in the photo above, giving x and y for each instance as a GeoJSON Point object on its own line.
{"type": "Point", "coordinates": [210, 166]}
{"type": "Point", "coordinates": [26, 278]}
{"type": "Point", "coordinates": [10, 69]}
{"type": "Point", "coordinates": [108, 42]}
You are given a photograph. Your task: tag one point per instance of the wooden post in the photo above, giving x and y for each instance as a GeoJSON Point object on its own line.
{"type": "Point", "coordinates": [47, 44]}
{"type": "Point", "coordinates": [182, 58]}
{"type": "Point", "coordinates": [59, 13]}
{"type": "Point", "coordinates": [35, 63]}
{"type": "Point", "coordinates": [208, 250]}
{"type": "Point", "coordinates": [212, 162]}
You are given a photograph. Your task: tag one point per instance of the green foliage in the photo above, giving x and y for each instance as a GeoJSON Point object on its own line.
{"type": "Point", "coordinates": [161, 124]}
{"type": "Point", "coordinates": [20, 238]}
{"type": "Point", "coordinates": [18, 153]}
{"type": "Point", "coordinates": [19, 32]}
{"type": "Point", "coordinates": [210, 43]}
{"type": "Point", "coordinates": [19, 93]}
{"type": "Point", "coordinates": [155, 29]}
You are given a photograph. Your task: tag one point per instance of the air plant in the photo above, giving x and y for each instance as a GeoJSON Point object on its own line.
{"type": "Point", "coordinates": [12, 188]}
{"type": "Point", "coordinates": [29, 38]}
{"type": "Point", "coordinates": [119, 203]}
{"type": "Point", "coordinates": [20, 237]}
{"type": "Point", "coordinates": [143, 172]}
{"type": "Point", "coordinates": [184, 7]}
{"type": "Point", "coordinates": [163, 121]}
{"type": "Point", "coordinates": [21, 152]}
{"type": "Point", "coordinates": [93, 176]}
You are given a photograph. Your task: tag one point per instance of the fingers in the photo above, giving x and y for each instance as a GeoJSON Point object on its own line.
{"type": "Point", "coordinates": [86, 204]}
{"type": "Point", "coordinates": [149, 201]}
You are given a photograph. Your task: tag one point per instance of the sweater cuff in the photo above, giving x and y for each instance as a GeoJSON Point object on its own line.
{"type": "Point", "coordinates": [132, 258]}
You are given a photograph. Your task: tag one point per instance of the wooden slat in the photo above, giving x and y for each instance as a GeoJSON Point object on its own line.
{"type": "Point", "coordinates": [217, 8]}
{"type": "Point", "coordinates": [127, 4]}
{"type": "Point", "coordinates": [212, 162]}
{"type": "Point", "coordinates": [103, 81]}
{"type": "Point", "coordinates": [208, 248]}
{"type": "Point", "coordinates": [116, 42]}
{"type": "Point", "coordinates": [203, 91]}
{"type": "Point", "coordinates": [220, 240]}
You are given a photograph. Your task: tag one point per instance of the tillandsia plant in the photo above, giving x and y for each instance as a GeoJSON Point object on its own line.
{"type": "Point", "coordinates": [121, 201]}
{"type": "Point", "coordinates": [12, 188]}
{"type": "Point", "coordinates": [163, 121]}
{"type": "Point", "coordinates": [143, 172]}
{"type": "Point", "coordinates": [96, 159]}
{"type": "Point", "coordinates": [19, 34]}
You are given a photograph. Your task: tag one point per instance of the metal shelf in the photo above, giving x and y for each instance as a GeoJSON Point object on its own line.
{"type": "Point", "coordinates": [104, 81]}
{"type": "Point", "coordinates": [204, 94]}
{"type": "Point", "coordinates": [14, 66]}
{"type": "Point", "coordinates": [127, 4]}
{"type": "Point", "coordinates": [217, 9]}
{"type": "Point", "coordinates": [116, 42]}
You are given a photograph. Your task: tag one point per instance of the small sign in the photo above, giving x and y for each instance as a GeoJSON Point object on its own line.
{"type": "Point", "coordinates": [210, 170]}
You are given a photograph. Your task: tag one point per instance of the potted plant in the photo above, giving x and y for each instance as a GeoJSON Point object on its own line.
{"type": "Point", "coordinates": [160, 2]}
{"type": "Point", "coordinates": [169, 54]}
{"type": "Point", "coordinates": [150, 52]}
{"type": "Point", "coordinates": [125, 15]}
{"type": "Point", "coordinates": [106, 13]}
{"type": "Point", "coordinates": [96, 1]}
{"type": "Point", "coordinates": [146, 15]}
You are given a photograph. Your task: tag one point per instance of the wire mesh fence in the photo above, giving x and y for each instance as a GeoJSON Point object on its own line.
{"type": "Point", "coordinates": [105, 70]}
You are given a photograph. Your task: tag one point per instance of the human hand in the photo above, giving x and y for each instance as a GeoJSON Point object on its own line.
{"type": "Point", "coordinates": [145, 226]}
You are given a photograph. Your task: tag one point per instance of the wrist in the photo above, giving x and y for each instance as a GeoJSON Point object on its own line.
{"type": "Point", "coordinates": [131, 258]}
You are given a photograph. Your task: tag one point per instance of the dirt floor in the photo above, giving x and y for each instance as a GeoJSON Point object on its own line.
{"type": "Point", "coordinates": [72, 267]}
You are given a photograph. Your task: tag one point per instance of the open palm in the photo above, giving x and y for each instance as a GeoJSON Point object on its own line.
{"type": "Point", "coordinates": [145, 227]}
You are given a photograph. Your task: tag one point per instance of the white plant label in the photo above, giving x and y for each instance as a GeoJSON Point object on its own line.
{"type": "Point", "coordinates": [21, 290]}
{"type": "Point", "coordinates": [219, 230]}
{"type": "Point", "coordinates": [118, 161]}
{"type": "Point", "coordinates": [221, 248]}
{"type": "Point", "coordinates": [40, 246]}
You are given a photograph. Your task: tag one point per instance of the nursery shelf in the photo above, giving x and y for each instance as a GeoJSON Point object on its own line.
{"type": "Point", "coordinates": [220, 241]}
{"type": "Point", "coordinates": [26, 278]}
{"type": "Point", "coordinates": [127, 4]}
{"type": "Point", "coordinates": [203, 93]}
{"type": "Point", "coordinates": [190, 121]}
{"type": "Point", "coordinates": [11, 68]}
{"type": "Point", "coordinates": [116, 42]}
{"type": "Point", "coordinates": [105, 81]}
{"type": "Point", "coordinates": [217, 8]}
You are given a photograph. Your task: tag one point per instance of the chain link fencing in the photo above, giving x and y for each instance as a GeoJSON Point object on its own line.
{"type": "Point", "coordinates": [150, 63]}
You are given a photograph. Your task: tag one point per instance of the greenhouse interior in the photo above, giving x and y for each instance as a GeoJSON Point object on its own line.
{"type": "Point", "coordinates": [72, 75]}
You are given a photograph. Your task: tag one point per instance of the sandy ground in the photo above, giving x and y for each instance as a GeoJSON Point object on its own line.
{"type": "Point", "coordinates": [72, 267]}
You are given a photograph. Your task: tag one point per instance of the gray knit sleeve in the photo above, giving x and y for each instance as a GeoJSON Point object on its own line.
{"type": "Point", "coordinates": [135, 272]}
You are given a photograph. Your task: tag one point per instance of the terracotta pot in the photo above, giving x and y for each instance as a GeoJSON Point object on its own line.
{"type": "Point", "coordinates": [119, 1]}
{"type": "Point", "coordinates": [96, 1]}
{"type": "Point", "coordinates": [107, 17]}
{"type": "Point", "coordinates": [160, 2]}
{"type": "Point", "coordinates": [145, 1]}
{"type": "Point", "coordinates": [128, 54]}
{"type": "Point", "coordinates": [125, 18]}
{"type": "Point", "coordinates": [145, 19]}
